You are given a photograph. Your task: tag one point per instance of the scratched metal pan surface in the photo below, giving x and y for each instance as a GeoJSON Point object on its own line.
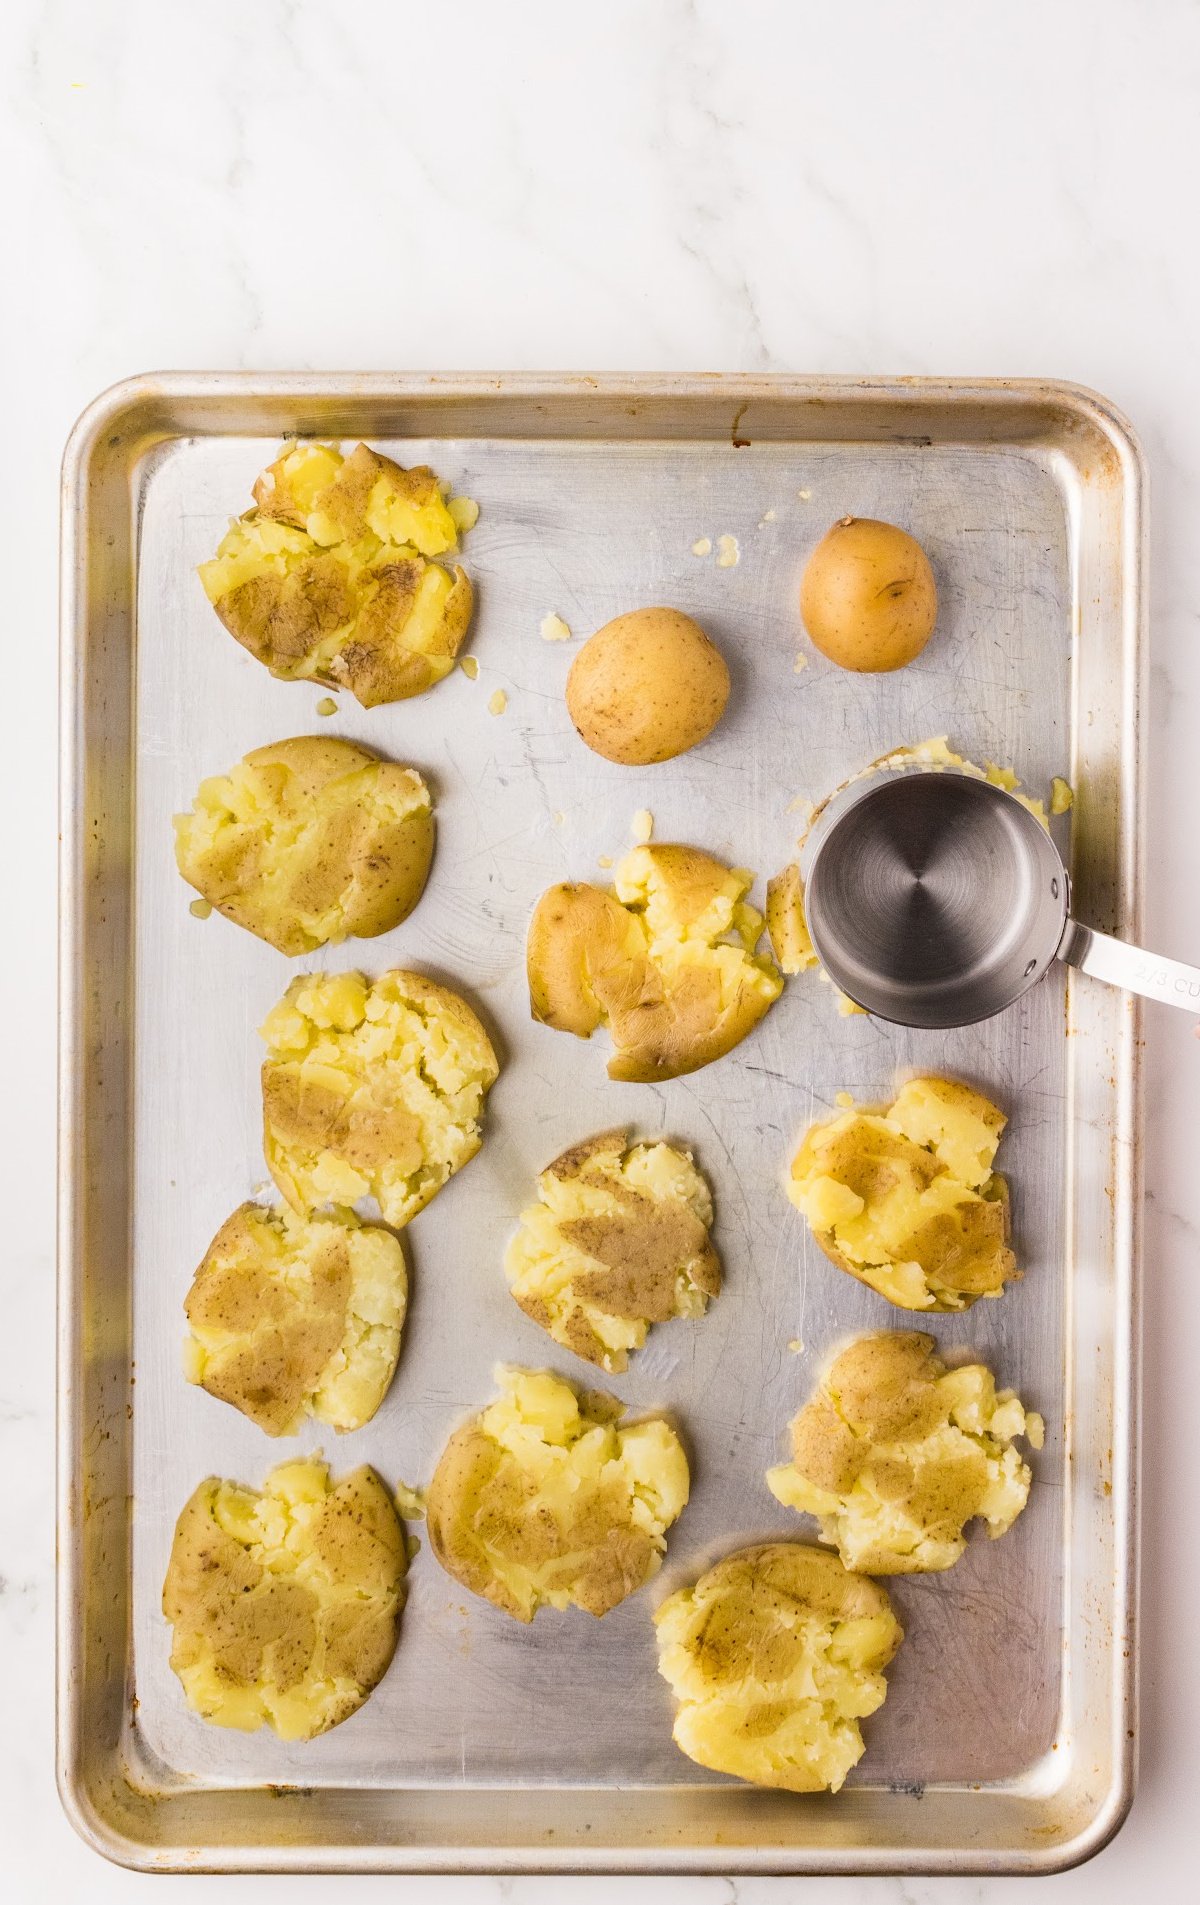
{"type": "Point", "coordinates": [1007, 1739]}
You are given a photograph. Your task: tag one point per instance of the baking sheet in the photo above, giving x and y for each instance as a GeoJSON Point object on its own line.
{"type": "Point", "coordinates": [587, 521]}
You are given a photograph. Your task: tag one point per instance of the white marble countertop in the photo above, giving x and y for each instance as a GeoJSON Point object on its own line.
{"type": "Point", "coordinates": [677, 184]}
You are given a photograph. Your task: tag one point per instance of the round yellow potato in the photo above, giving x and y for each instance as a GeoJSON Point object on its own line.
{"type": "Point", "coordinates": [906, 1200]}
{"type": "Point", "coordinates": [667, 960]}
{"type": "Point", "coordinates": [895, 1454]}
{"type": "Point", "coordinates": [372, 1090]}
{"type": "Point", "coordinates": [285, 1603]}
{"type": "Point", "coordinates": [293, 1316]}
{"type": "Point", "coordinates": [868, 597]}
{"type": "Point", "coordinates": [308, 842]}
{"type": "Point", "coordinates": [545, 1500]}
{"type": "Point", "coordinates": [330, 576]}
{"type": "Point", "coordinates": [617, 1240]}
{"type": "Point", "coordinates": [775, 1655]}
{"type": "Point", "coordinates": [646, 687]}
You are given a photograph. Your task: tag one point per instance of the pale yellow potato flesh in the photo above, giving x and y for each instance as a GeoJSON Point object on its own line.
{"type": "Point", "coordinates": [787, 927]}
{"type": "Point", "coordinates": [292, 1317]}
{"type": "Point", "coordinates": [905, 1199]}
{"type": "Point", "coordinates": [618, 1240]}
{"type": "Point", "coordinates": [372, 1090]}
{"type": "Point", "coordinates": [308, 842]}
{"type": "Point", "coordinates": [546, 1499]}
{"type": "Point", "coordinates": [285, 1603]}
{"type": "Point", "coordinates": [896, 1453]}
{"type": "Point", "coordinates": [668, 960]}
{"type": "Point", "coordinates": [331, 577]}
{"type": "Point", "coordinates": [775, 1655]}
{"type": "Point", "coordinates": [646, 687]}
{"type": "Point", "coordinates": [868, 597]}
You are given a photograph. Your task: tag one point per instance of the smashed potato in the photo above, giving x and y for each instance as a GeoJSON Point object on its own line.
{"type": "Point", "coordinates": [617, 1240]}
{"type": "Point", "coordinates": [775, 1655]}
{"type": "Point", "coordinates": [667, 960]}
{"type": "Point", "coordinates": [285, 1604]}
{"type": "Point", "coordinates": [895, 1454]}
{"type": "Point", "coordinates": [294, 1316]}
{"type": "Point", "coordinates": [906, 1200]}
{"type": "Point", "coordinates": [545, 1500]}
{"type": "Point", "coordinates": [372, 1090]}
{"type": "Point", "coordinates": [309, 841]}
{"type": "Point", "coordinates": [330, 576]}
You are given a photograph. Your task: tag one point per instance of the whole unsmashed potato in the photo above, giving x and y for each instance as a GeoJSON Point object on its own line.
{"type": "Point", "coordinates": [868, 597]}
{"type": "Point", "coordinates": [330, 576]}
{"type": "Point", "coordinates": [667, 960]}
{"type": "Point", "coordinates": [285, 1604]}
{"type": "Point", "coordinates": [546, 1500]}
{"type": "Point", "coordinates": [372, 1090]}
{"type": "Point", "coordinates": [895, 1454]}
{"type": "Point", "coordinates": [617, 1240]}
{"type": "Point", "coordinates": [309, 841]}
{"type": "Point", "coordinates": [294, 1316]}
{"type": "Point", "coordinates": [646, 687]}
{"type": "Point", "coordinates": [905, 1199]}
{"type": "Point", "coordinates": [775, 1655]}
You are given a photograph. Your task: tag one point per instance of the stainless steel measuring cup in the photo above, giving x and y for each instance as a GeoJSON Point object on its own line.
{"type": "Point", "coordinates": [935, 899]}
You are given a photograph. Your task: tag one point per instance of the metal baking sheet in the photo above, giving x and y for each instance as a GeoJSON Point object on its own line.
{"type": "Point", "coordinates": [1007, 1739]}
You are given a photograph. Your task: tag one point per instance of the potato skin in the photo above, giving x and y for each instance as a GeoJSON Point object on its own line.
{"type": "Point", "coordinates": [647, 686]}
{"type": "Point", "coordinates": [868, 598]}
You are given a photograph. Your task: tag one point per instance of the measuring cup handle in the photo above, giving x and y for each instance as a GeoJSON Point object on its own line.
{"type": "Point", "coordinates": [1118, 964]}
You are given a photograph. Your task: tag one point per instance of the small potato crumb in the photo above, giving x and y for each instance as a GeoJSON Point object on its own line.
{"type": "Point", "coordinates": [702, 546]}
{"type": "Point", "coordinates": [800, 664]}
{"type": "Point", "coordinates": [605, 860]}
{"type": "Point", "coordinates": [767, 517]}
{"type": "Point", "coordinates": [728, 553]}
{"type": "Point", "coordinates": [200, 909]}
{"type": "Point", "coordinates": [470, 667]}
{"type": "Point", "coordinates": [845, 1100]}
{"type": "Point", "coordinates": [554, 629]}
{"type": "Point", "coordinates": [410, 1502]}
{"type": "Point", "coordinates": [642, 826]}
{"type": "Point", "coordinates": [796, 1346]}
{"type": "Point", "coordinates": [463, 513]}
{"type": "Point", "coordinates": [1062, 795]}
{"type": "Point", "coordinates": [327, 705]}
{"type": "Point", "coordinates": [805, 495]}
{"type": "Point", "coordinates": [558, 818]}
{"type": "Point", "coordinates": [498, 702]}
